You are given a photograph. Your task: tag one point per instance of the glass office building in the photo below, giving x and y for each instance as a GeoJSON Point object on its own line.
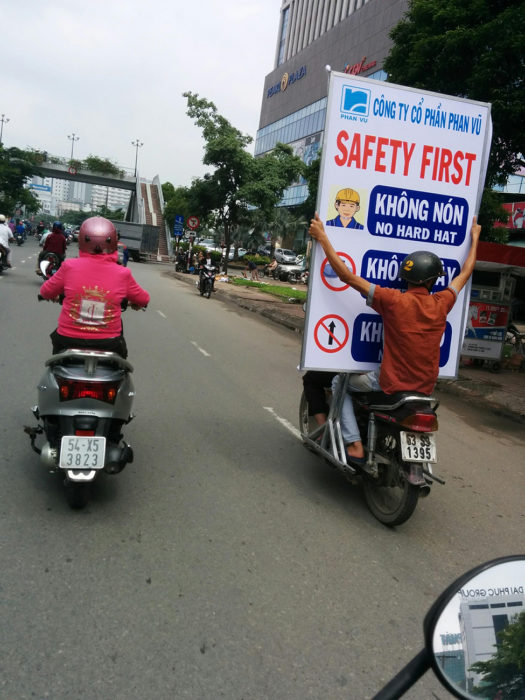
{"type": "Point", "coordinates": [345, 35]}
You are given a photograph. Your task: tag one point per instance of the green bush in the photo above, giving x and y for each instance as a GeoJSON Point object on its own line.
{"type": "Point", "coordinates": [257, 259]}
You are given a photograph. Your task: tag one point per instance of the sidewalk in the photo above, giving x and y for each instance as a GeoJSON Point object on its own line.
{"type": "Point", "coordinates": [502, 392]}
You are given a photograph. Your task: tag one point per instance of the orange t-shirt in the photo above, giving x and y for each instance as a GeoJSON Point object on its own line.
{"type": "Point", "coordinates": [413, 324]}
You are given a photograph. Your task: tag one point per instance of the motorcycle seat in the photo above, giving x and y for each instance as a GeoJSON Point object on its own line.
{"type": "Point", "coordinates": [378, 400]}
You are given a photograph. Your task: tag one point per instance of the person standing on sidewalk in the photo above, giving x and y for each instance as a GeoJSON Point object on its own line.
{"type": "Point", "coordinates": [413, 322]}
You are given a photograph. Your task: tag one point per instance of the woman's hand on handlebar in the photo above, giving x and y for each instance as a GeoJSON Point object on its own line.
{"type": "Point", "coordinates": [138, 307]}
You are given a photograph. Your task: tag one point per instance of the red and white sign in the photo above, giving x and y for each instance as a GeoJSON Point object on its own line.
{"type": "Point", "coordinates": [331, 333]}
{"type": "Point", "coordinates": [330, 279]}
{"type": "Point", "coordinates": [192, 222]}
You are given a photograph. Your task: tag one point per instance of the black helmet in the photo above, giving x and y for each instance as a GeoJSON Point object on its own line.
{"type": "Point", "coordinates": [421, 267]}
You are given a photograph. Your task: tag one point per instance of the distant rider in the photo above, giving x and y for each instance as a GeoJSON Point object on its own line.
{"type": "Point", "coordinates": [6, 237]}
{"type": "Point", "coordinates": [94, 286]}
{"type": "Point", "coordinates": [413, 321]}
{"type": "Point", "coordinates": [54, 243]}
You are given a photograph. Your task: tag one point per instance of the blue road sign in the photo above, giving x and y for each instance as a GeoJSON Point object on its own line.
{"type": "Point", "coordinates": [178, 226]}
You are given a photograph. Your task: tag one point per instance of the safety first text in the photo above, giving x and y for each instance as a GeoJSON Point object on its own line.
{"type": "Point", "coordinates": [398, 157]}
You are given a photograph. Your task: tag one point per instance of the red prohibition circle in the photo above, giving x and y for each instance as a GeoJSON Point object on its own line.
{"type": "Point", "coordinates": [325, 263]}
{"type": "Point", "coordinates": [339, 344]}
{"type": "Point", "coordinates": [72, 170]}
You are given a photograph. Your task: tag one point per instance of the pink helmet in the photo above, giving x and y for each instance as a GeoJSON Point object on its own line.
{"type": "Point", "coordinates": [97, 235]}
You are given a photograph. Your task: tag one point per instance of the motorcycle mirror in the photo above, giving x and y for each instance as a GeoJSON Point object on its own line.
{"type": "Point", "coordinates": [475, 632]}
{"type": "Point", "coordinates": [474, 636]}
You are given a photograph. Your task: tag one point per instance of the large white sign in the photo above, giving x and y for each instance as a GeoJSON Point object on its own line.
{"type": "Point", "coordinates": [402, 170]}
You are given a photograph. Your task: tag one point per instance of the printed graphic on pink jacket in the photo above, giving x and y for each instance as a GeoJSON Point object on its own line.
{"type": "Point", "coordinates": [94, 286]}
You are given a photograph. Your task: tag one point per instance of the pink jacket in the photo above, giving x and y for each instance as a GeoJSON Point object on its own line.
{"type": "Point", "coordinates": [94, 286]}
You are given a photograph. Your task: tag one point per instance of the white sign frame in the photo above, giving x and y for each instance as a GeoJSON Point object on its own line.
{"type": "Point", "coordinates": [400, 149]}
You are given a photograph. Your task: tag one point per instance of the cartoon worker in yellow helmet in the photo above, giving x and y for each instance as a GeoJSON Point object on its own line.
{"type": "Point", "coordinates": [347, 205]}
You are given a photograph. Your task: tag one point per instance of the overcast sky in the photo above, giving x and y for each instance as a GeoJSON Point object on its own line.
{"type": "Point", "coordinates": [112, 71]}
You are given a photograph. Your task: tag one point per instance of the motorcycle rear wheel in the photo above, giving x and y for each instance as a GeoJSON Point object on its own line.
{"type": "Point", "coordinates": [391, 505]}
{"type": "Point", "coordinates": [77, 495]}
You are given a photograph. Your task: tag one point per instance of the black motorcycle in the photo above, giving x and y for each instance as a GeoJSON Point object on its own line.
{"type": "Point", "coordinates": [207, 280]}
{"type": "Point", "coordinates": [3, 259]}
{"type": "Point", "coordinates": [398, 435]}
{"type": "Point", "coordinates": [49, 265]}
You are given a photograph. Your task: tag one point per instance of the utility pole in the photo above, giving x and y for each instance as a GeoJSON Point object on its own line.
{"type": "Point", "coordinates": [137, 145]}
{"type": "Point", "coordinates": [3, 120]}
{"type": "Point", "coordinates": [73, 138]}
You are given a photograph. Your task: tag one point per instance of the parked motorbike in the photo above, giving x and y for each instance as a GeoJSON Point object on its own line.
{"type": "Point", "coordinates": [297, 273]}
{"type": "Point", "coordinates": [207, 280]}
{"type": "Point", "coordinates": [398, 435]}
{"type": "Point", "coordinates": [49, 265]}
{"type": "Point", "coordinates": [84, 399]}
{"type": "Point", "coordinates": [473, 660]}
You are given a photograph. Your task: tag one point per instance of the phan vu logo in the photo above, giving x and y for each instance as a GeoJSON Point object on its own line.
{"type": "Point", "coordinates": [355, 102]}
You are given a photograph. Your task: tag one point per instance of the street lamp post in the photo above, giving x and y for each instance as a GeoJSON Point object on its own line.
{"type": "Point", "coordinates": [137, 145]}
{"type": "Point", "coordinates": [73, 138]}
{"type": "Point", "coordinates": [3, 120]}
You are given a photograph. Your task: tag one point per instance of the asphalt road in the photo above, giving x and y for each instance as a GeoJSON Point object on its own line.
{"type": "Point", "coordinates": [227, 561]}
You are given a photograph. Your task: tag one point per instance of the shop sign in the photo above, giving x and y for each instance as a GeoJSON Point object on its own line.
{"type": "Point", "coordinates": [287, 80]}
{"type": "Point", "coordinates": [360, 67]}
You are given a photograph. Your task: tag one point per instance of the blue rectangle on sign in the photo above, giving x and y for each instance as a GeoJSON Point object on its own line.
{"type": "Point", "coordinates": [421, 216]}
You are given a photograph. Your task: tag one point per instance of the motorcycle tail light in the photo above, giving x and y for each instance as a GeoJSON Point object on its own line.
{"type": "Point", "coordinates": [71, 389]}
{"type": "Point", "coordinates": [84, 433]}
{"type": "Point", "coordinates": [422, 422]}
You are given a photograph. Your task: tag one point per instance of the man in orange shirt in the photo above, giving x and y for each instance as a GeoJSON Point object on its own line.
{"type": "Point", "coordinates": [413, 324]}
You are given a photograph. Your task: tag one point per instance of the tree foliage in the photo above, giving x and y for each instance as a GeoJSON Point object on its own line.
{"type": "Point", "coordinates": [473, 49]}
{"type": "Point", "coordinates": [16, 166]}
{"type": "Point", "coordinates": [238, 181]}
{"type": "Point", "coordinates": [504, 673]}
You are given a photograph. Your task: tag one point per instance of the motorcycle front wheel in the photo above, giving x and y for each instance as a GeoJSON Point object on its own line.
{"type": "Point", "coordinates": [391, 504]}
{"type": "Point", "coordinates": [207, 292]}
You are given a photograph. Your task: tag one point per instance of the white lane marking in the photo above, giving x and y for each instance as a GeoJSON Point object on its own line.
{"type": "Point", "coordinates": [206, 354]}
{"type": "Point", "coordinates": [296, 433]}
{"type": "Point", "coordinates": [161, 314]}
{"type": "Point", "coordinates": [22, 261]}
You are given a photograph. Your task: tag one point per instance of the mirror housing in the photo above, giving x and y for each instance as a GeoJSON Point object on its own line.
{"type": "Point", "coordinates": [482, 603]}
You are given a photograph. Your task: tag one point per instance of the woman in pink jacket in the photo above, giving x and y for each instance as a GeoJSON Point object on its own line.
{"type": "Point", "coordinates": [93, 286]}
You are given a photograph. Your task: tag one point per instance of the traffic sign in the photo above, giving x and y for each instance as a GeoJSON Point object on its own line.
{"type": "Point", "coordinates": [178, 226]}
{"type": "Point", "coordinates": [193, 222]}
{"type": "Point", "coordinates": [330, 279]}
{"type": "Point", "coordinates": [331, 333]}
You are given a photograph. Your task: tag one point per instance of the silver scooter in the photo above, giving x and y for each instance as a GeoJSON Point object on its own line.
{"type": "Point", "coordinates": [84, 399]}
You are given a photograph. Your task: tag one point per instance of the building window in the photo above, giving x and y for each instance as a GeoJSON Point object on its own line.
{"type": "Point", "coordinates": [282, 40]}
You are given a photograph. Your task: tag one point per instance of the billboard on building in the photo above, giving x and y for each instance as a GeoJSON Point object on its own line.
{"type": "Point", "coordinates": [410, 165]}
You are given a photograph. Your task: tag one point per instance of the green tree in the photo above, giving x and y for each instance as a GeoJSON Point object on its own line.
{"type": "Point", "coordinates": [16, 166]}
{"type": "Point", "coordinates": [504, 673]}
{"type": "Point", "coordinates": [473, 49]}
{"type": "Point", "coordinates": [239, 181]}
{"type": "Point", "coordinates": [311, 175]}
{"type": "Point", "coordinates": [175, 203]}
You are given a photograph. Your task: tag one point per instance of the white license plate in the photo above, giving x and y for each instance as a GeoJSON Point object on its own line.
{"type": "Point", "coordinates": [82, 452]}
{"type": "Point", "coordinates": [418, 447]}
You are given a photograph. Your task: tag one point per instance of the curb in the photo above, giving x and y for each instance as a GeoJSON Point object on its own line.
{"type": "Point", "coordinates": [490, 393]}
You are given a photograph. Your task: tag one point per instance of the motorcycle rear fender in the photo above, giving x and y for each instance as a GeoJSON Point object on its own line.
{"type": "Point", "coordinates": [49, 403]}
